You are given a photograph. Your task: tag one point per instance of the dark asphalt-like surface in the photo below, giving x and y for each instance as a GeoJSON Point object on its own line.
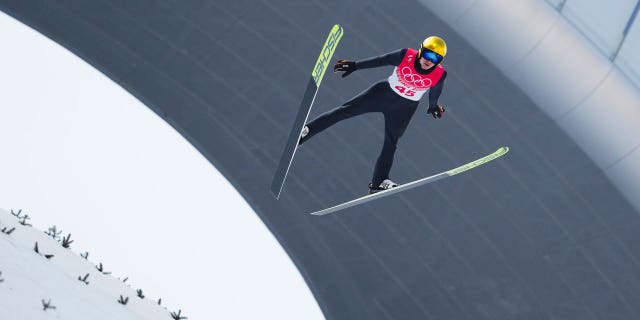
{"type": "Point", "coordinates": [538, 234]}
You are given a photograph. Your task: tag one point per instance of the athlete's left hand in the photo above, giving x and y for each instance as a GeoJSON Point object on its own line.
{"type": "Point", "coordinates": [436, 111]}
{"type": "Point", "coordinates": [345, 66]}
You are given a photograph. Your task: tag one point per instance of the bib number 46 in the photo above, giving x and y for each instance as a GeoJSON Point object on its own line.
{"type": "Point", "coordinates": [405, 91]}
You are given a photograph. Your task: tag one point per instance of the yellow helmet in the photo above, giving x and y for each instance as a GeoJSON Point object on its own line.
{"type": "Point", "coordinates": [434, 44]}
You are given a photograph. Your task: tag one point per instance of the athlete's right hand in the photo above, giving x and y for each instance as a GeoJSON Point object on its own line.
{"type": "Point", "coordinates": [345, 66]}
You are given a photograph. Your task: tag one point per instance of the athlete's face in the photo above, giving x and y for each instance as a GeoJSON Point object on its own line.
{"type": "Point", "coordinates": [426, 64]}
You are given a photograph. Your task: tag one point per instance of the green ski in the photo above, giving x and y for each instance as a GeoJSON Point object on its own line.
{"type": "Point", "coordinates": [305, 107]}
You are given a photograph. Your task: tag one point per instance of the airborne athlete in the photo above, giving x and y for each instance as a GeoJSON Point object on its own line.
{"type": "Point", "coordinates": [397, 98]}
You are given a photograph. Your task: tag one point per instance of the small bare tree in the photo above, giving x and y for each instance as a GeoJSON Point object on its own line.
{"type": "Point", "coordinates": [47, 305]}
{"type": "Point", "coordinates": [101, 269]}
{"type": "Point", "coordinates": [84, 279]}
{"type": "Point", "coordinates": [21, 218]}
{"type": "Point", "coordinates": [54, 233]}
{"type": "Point", "coordinates": [178, 316]}
{"type": "Point", "coordinates": [5, 231]}
{"type": "Point", "coordinates": [66, 241]}
{"type": "Point", "coordinates": [48, 256]}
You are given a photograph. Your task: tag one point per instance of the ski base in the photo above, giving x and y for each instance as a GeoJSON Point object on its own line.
{"type": "Point", "coordinates": [498, 153]}
{"type": "Point", "coordinates": [305, 108]}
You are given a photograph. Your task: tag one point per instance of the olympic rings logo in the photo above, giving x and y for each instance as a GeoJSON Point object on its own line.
{"type": "Point", "coordinates": [406, 76]}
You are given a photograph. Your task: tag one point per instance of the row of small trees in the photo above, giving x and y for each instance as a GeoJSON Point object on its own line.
{"type": "Point", "coordinates": [66, 242]}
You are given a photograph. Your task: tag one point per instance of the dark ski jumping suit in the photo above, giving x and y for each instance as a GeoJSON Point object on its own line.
{"type": "Point", "coordinates": [396, 98]}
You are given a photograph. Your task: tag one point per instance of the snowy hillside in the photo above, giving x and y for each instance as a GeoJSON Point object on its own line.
{"type": "Point", "coordinates": [56, 283]}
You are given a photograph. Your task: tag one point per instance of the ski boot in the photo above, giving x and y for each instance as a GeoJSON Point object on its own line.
{"type": "Point", "coordinates": [304, 133]}
{"type": "Point", "coordinates": [385, 185]}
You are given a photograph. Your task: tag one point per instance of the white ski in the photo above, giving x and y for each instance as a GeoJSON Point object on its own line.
{"type": "Point", "coordinates": [498, 153]}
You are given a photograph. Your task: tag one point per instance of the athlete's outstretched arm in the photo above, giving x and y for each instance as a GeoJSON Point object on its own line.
{"type": "Point", "coordinates": [435, 109]}
{"type": "Point", "coordinates": [436, 91]}
{"type": "Point", "coordinates": [390, 59]}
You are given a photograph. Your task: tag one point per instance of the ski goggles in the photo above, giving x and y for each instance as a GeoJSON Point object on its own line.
{"type": "Point", "coordinates": [431, 56]}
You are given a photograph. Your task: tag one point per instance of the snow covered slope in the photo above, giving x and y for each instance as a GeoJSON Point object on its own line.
{"type": "Point", "coordinates": [29, 280]}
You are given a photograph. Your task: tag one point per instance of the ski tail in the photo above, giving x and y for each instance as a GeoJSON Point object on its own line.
{"type": "Point", "coordinates": [317, 74]}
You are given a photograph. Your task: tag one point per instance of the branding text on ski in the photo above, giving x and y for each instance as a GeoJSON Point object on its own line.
{"type": "Point", "coordinates": [326, 54]}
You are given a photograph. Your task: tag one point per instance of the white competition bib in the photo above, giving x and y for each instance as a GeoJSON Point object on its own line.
{"type": "Point", "coordinates": [408, 83]}
{"type": "Point", "coordinates": [408, 88]}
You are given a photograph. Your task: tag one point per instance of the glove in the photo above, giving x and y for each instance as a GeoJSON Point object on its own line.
{"type": "Point", "coordinates": [436, 111]}
{"type": "Point", "coordinates": [345, 66]}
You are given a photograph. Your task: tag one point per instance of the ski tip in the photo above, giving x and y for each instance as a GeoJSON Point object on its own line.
{"type": "Point", "coordinates": [328, 49]}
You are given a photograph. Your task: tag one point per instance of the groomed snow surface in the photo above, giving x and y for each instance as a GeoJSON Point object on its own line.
{"type": "Point", "coordinates": [29, 280]}
{"type": "Point", "coordinates": [81, 153]}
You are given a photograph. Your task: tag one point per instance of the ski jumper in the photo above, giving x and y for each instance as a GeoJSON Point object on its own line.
{"type": "Point", "coordinates": [396, 98]}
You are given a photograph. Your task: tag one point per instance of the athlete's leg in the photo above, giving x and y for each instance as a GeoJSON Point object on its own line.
{"type": "Point", "coordinates": [395, 124]}
{"type": "Point", "coordinates": [362, 103]}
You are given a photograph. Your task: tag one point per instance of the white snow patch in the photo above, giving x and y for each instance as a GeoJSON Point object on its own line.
{"type": "Point", "coordinates": [28, 278]}
{"type": "Point", "coordinates": [81, 153]}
